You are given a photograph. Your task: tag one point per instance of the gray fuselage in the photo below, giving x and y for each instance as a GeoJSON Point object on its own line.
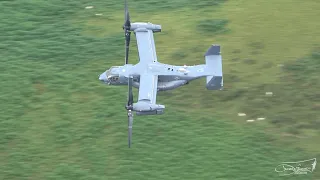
{"type": "Point", "coordinates": [169, 76]}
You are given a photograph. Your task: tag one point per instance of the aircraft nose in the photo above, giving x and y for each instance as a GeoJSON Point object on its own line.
{"type": "Point", "coordinates": [103, 77]}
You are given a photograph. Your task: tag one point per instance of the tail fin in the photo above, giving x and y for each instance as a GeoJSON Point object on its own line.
{"type": "Point", "coordinates": [214, 66]}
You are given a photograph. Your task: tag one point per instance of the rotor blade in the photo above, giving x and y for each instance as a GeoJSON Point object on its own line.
{"type": "Point", "coordinates": [127, 43]}
{"type": "Point", "coordinates": [126, 28]}
{"type": "Point", "coordinates": [125, 10]}
{"type": "Point", "coordinates": [128, 18]}
{"type": "Point", "coordinates": [126, 14]}
{"type": "Point", "coordinates": [130, 93]}
{"type": "Point", "coordinates": [130, 123]}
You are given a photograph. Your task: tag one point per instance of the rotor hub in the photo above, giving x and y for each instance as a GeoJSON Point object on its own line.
{"type": "Point", "coordinates": [126, 27]}
{"type": "Point", "coordinates": [129, 108]}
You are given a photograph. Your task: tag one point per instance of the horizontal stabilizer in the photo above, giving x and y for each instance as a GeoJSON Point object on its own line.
{"type": "Point", "coordinates": [214, 64]}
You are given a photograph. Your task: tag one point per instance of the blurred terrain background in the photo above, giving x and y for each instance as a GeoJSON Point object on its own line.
{"type": "Point", "coordinates": [59, 122]}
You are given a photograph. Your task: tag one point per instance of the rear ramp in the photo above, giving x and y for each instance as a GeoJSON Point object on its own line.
{"type": "Point", "coordinates": [214, 65]}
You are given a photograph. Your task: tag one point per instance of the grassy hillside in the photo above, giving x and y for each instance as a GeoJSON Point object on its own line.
{"type": "Point", "coordinates": [59, 122]}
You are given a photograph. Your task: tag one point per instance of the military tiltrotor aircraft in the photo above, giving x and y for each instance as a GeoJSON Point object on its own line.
{"type": "Point", "coordinates": [150, 76]}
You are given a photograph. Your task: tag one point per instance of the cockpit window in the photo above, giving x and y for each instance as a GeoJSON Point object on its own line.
{"type": "Point", "coordinates": [114, 68]}
{"type": "Point", "coordinates": [113, 71]}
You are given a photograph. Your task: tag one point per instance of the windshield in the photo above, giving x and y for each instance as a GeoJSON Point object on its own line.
{"type": "Point", "coordinates": [113, 71]}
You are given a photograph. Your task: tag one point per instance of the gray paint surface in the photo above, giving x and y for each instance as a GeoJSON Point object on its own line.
{"type": "Point", "coordinates": [151, 76]}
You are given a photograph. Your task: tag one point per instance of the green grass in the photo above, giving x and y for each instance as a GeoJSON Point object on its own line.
{"type": "Point", "coordinates": [213, 26]}
{"type": "Point", "coordinates": [59, 122]}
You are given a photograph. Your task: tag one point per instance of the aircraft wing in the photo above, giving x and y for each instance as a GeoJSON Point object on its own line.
{"type": "Point", "coordinates": [146, 46]}
{"type": "Point", "coordinates": [146, 104]}
{"type": "Point", "coordinates": [148, 88]}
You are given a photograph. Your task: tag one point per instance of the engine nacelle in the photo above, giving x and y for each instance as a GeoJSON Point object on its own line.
{"type": "Point", "coordinates": [143, 25]}
{"type": "Point", "coordinates": [165, 86]}
{"type": "Point", "coordinates": [146, 106]}
{"type": "Point", "coordinates": [156, 112]}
